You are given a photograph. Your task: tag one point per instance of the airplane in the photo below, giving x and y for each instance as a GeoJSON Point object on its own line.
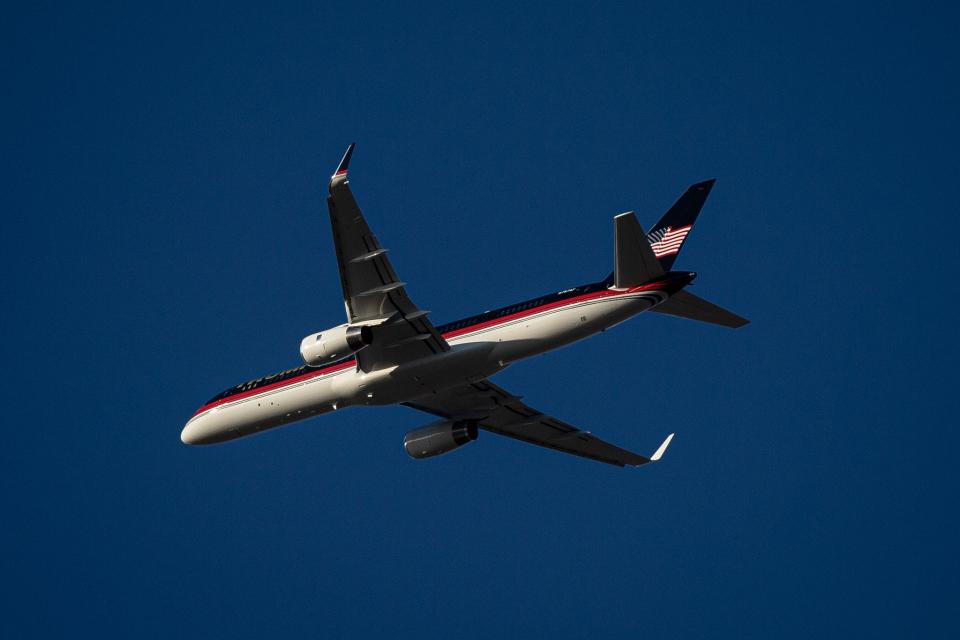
{"type": "Point", "coordinates": [389, 352]}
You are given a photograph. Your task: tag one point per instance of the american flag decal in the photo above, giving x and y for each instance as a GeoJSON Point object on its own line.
{"type": "Point", "coordinates": [667, 241]}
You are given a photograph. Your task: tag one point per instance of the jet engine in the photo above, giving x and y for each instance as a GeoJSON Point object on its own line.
{"type": "Point", "coordinates": [439, 438]}
{"type": "Point", "coordinates": [332, 344]}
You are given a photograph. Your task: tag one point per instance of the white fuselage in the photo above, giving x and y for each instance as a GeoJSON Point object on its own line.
{"type": "Point", "coordinates": [477, 351]}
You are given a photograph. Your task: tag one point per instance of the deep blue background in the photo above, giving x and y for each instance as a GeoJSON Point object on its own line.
{"type": "Point", "coordinates": [165, 236]}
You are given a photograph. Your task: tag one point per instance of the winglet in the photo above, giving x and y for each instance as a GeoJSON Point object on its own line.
{"type": "Point", "coordinates": [345, 162]}
{"type": "Point", "coordinates": [663, 447]}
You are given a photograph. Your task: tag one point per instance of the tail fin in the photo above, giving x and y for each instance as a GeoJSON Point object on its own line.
{"type": "Point", "coordinates": [667, 236]}
{"type": "Point", "coordinates": [684, 304]}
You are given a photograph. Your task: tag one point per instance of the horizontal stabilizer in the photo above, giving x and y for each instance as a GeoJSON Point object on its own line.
{"type": "Point", "coordinates": [684, 304]}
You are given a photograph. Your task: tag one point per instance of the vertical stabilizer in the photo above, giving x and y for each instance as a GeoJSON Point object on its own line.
{"type": "Point", "coordinates": [668, 235]}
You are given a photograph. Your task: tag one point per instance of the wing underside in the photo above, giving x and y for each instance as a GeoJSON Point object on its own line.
{"type": "Point", "coordinates": [372, 292]}
{"type": "Point", "coordinates": [500, 412]}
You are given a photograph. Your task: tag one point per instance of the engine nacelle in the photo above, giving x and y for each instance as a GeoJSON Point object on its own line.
{"type": "Point", "coordinates": [439, 438]}
{"type": "Point", "coordinates": [332, 344]}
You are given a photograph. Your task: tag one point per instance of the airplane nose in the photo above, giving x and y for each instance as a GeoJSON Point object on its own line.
{"type": "Point", "coordinates": [207, 429]}
{"type": "Point", "coordinates": [199, 431]}
{"type": "Point", "coordinates": [189, 434]}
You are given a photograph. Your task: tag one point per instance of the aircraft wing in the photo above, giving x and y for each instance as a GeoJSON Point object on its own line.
{"type": "Point", "coordinates": [372, 292]}
{"type": "Point", "coordinates": [497, 411]}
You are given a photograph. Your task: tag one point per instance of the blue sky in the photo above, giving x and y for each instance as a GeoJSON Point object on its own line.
{"type": "Point", "coordinates": [166, 237]}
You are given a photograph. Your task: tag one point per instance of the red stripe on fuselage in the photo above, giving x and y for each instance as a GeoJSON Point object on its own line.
{"type": "Point", "coordinates": [277, 385]}
{"type": "Point", "coordinates": [653, 286]}
{"type": "Point", "coordinates": [553, 305]}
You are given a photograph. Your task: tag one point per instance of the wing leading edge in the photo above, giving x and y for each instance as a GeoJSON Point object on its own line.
{"type": "Point", "coordinates": [500, 412]}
